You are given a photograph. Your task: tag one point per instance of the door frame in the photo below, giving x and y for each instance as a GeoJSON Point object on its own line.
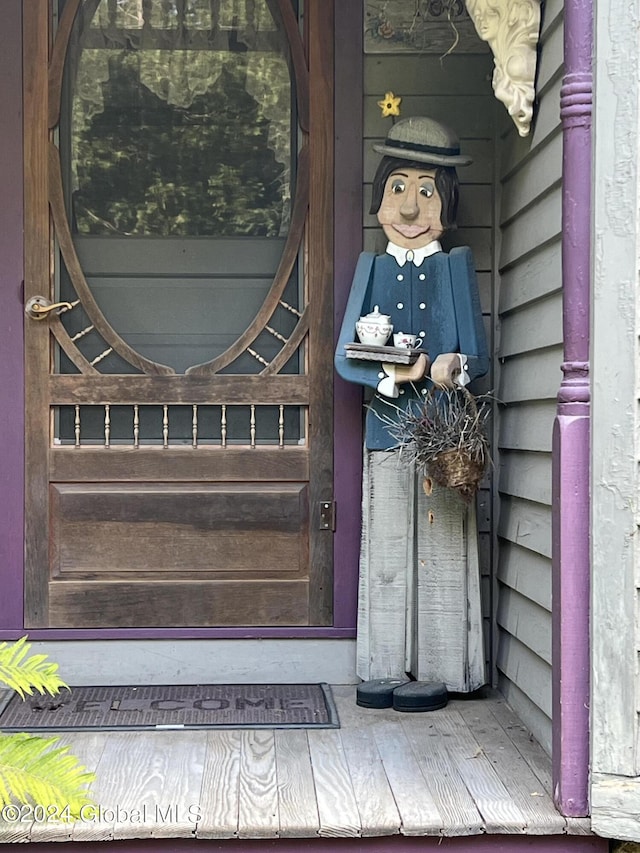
{"type": "Point", "coordinates": [12, 488]}
{"type": "Point", "coordinates": [345, 432]}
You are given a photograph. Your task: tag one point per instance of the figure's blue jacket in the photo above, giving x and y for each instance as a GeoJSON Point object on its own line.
{"type": "Point", "coordinates": [439, 297]}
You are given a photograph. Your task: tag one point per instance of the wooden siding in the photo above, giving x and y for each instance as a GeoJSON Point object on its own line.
{"type": "Point", "coordinates": [529, 301]}
{"type": "Point", "coordinates": [457, 91]}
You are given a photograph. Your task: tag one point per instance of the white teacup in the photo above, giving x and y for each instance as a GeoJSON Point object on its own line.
{"type": "Point", "coordinates": [401, 340]}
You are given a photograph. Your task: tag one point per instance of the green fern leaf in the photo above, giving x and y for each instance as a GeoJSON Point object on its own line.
{"type": "Point", "coordinates": [34, 771]}
{"type": "Point", "coordinates": [26, 674]}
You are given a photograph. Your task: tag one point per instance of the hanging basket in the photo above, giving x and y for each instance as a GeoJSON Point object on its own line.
{"type": "Point", "coordinates": [455, 469]}
{"type": "Point", "coordinates": [445, 437]}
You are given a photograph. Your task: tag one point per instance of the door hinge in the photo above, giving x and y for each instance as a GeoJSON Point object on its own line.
{"type": "Point", "coordinates": [327, 515]}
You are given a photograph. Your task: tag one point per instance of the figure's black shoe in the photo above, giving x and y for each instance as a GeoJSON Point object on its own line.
{"type": "Point", "coordinates": [417, 696]}
{"type": "Point", "coordinates": [378, 693]}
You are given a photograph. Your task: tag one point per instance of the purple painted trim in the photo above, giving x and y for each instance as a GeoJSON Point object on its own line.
{"type": "Point", "coordinates": [571, 447]}
{"type": "Point", "coordinates": [179, 633]}
{"type": "Point", "coordinates": [347, 429]}
{"type": "Point", "coordinates": [11, 320]}
{"type": "Point", "coordinates": [396, 843]}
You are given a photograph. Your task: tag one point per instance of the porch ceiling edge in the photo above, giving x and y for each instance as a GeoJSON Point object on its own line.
{"type": "Point", "coordinates": [571, 456]}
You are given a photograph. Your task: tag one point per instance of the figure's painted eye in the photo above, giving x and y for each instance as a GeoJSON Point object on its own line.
{"type": "Point", "coordinates": [398, 186]}
{"type": "Point", "coordinates": [427, 190]}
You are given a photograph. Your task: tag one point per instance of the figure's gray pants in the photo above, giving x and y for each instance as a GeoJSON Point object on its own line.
{"type": "Point", "coordinates": [419, 608]}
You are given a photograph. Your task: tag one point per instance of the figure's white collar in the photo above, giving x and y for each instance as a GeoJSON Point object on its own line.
{"type": "Point", "coordinates": [419, 254]}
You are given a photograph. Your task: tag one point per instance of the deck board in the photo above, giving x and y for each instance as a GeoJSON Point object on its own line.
{"type": "Point", "coordinates": [455, 803]}
{"type": "Point", "coordinates": [220, 793]}
{"type": "Point", "coordinates": [374, 798]}
{"type": "Point", "coordinates": [470, 768]}
{"type": "Point", "coordinates": [491, 795]}
{"type": "Point", "coordinates": [417, 807]}
{"type": "Point", "coordinates": [88, 748]}
{"type": "Point", "coordinates": [296, 787]}
{"type": "Point", "coordinates": [530, 749]}
{"type": "Point", "coordinates": [337, 806]}
{"type": "Point", "coordinates": [525, 788]}
{"type": "Point", "coordinates": [258, 815]}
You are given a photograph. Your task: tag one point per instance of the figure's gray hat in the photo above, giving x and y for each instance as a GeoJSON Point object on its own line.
{"type": "Point", "coordinates": [424, 140]}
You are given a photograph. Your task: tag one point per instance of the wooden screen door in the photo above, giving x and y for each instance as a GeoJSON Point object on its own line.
{"type": "Point", "coordinates": [178, 190]}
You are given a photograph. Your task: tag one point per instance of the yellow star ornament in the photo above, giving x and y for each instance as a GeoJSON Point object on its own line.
{"type": "Point", "coordinates": [390, 105]}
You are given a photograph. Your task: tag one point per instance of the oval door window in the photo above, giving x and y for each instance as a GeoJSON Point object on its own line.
{"type": "Point", "coordinates": [177, 141]}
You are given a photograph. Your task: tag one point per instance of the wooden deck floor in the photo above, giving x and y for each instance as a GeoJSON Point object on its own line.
{"type": "Point", "coordinates": [468, 769]}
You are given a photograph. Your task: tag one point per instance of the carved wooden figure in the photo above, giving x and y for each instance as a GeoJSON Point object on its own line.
{"type": "Point", "coordinates": [419, 595]}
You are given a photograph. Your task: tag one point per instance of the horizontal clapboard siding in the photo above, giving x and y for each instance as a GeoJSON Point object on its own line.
{"type": "Point", "coordinates": [525, 474]}
{"type": "Point", "coordinates": [532, 327]}
{"type": "Point", "coordinates": [530, 352]}
{"type": "Point", "coordinates": [526, 572]}
{"type": "Point", "coordinates": [531, 376]}
{"type": "Point", "coordinates": [527, 426]}
{"type": "Point", "coordinates": [527, 524]}
{"type": "Point", "coordinates": [456, 91]}
{"type": "Point", "coordinates": [522, 704]}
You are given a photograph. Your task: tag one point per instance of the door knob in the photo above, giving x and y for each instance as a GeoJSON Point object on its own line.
{"type": "Point", "coordinates": [39, 307]}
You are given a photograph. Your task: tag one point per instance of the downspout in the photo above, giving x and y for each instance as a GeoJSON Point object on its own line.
{"type": "Point", "coordinates": [571, 440]}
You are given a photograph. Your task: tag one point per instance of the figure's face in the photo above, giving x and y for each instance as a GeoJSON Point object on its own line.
{"type": "Point", "coordinates": [411, 209]}
{"type": "Point", "coordinates": [487, 21]}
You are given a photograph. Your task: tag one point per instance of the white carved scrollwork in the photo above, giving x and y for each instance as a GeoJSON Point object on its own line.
{"type": "Point", "coordinates": [511, 28]}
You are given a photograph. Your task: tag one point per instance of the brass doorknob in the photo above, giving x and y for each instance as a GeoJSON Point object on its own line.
{"type": "Point", "coordinates": [39, 307]}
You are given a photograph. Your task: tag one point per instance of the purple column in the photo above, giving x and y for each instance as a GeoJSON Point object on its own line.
{"type": "Point", "coordinates": [571, 444]}
{"type": "Point", "coordinates": [11, 321]}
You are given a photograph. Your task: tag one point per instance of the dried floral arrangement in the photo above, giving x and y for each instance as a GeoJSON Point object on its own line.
{"type": "Point", "coordinates": [445, 437]}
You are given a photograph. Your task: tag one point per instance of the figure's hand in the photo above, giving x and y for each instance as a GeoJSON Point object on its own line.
{"type": "Point", "coordinates": [387, 385]}
{"type": "Point", "coordinates": [445, 369]}
{"type": "Point", "coordinates": [412, 372]}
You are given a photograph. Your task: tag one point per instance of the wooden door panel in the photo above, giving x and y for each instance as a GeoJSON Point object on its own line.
{"type": "Point", "coordinates": [206, 465]}
{"type": "Point", "coordinates": [194, 523]}
{"type": "Point", "coordinates": [120, 604]}
{"type": "Point", "coordinates": [102, 532]}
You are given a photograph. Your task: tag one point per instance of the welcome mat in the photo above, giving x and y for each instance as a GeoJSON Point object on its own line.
{"type": "Point", "coordinates": [199, 706]}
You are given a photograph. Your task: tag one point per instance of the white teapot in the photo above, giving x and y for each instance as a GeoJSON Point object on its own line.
{"type": "Point", "coordinates": [374, 329]}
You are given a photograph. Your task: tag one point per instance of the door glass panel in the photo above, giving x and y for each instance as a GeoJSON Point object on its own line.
{"type": "Point", "coordinates": [181, 121]}
{"type": "Point", "coordinates": [177, 139]}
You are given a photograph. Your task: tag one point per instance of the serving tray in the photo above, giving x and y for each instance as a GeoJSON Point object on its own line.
{"type": "Point", "coordinates": [397, 355]}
